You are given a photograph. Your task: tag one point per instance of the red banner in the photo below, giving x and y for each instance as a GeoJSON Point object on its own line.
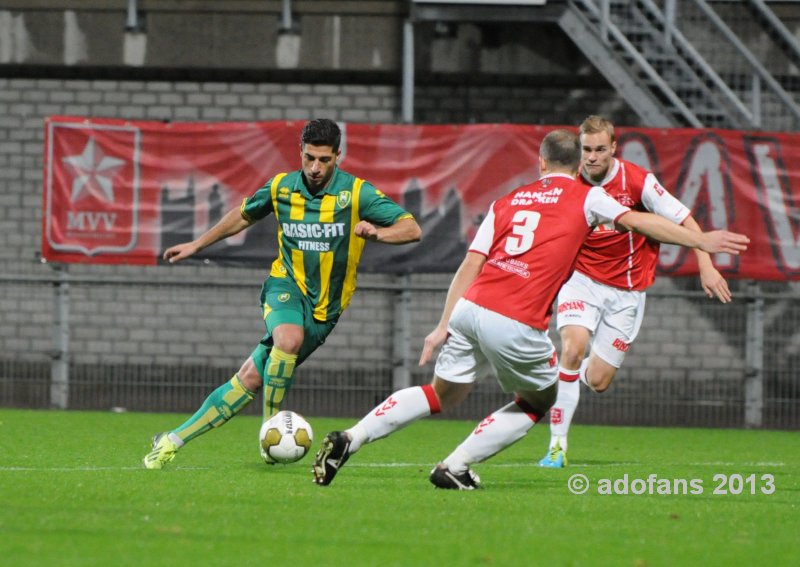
{"type": "Point", "coordinates": [121, 192]}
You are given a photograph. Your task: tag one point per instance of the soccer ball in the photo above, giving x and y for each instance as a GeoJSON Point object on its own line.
{"type": "Point", "coordinates": [285, 438]}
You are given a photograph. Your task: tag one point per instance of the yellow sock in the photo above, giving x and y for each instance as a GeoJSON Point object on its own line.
{"type": "Point", "coordinates": [221, 405]}
{"type": "Point", "coordinates": [277, 380]}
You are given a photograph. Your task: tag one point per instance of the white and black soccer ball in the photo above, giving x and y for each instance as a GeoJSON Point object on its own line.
{"type": "Point", "coordinates": [285, 438]}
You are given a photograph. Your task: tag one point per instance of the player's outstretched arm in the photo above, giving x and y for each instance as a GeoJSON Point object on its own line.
{"type": "Point", "coordinates": [232, 223]}
{"type": "Point", "coordinates": [466, 274]}
{"type": "Point", "coordinates": [714, 284]}
{"type": "Point", "coordinates": [403, 231]}
{"type": "Point", "coordinates": [663, 230]}
{"type": "Point", "coordinates": [723, 241]}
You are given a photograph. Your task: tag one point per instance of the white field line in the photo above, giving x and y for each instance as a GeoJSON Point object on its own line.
{"type": "Point", "coordinates": [532, 464]}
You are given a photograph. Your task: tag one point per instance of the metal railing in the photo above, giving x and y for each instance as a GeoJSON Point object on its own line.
{"type": "Point", "coordinates": [700, 59]}
{"type": "Point", "coordinates": [156, 344]}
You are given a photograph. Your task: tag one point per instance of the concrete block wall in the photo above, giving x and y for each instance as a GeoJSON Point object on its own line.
{"type": "Point", "coordinates": [25, 103]}
{"type": "Point", "coordinates": [142, 324]}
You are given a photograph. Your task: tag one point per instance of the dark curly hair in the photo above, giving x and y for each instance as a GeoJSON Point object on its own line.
{"type": "Point", "coordinates": [322, 132]}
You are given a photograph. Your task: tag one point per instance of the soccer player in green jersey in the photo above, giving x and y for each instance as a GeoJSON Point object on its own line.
{"type": "Point", "coordinates": [325, 216]}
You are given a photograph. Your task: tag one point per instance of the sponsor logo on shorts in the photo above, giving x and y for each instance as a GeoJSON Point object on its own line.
{"type": "Point", "coordinates": [556, 416]}
{"type": "Point", "coordinates": [620, 345]}
{"type": "Point", "coordinates": [284, 297]}
{"type": "Point", "coordinates": [571, 306]}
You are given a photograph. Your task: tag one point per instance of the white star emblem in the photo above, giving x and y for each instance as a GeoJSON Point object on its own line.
{"type": "Point", "coordinates": [93, 165]}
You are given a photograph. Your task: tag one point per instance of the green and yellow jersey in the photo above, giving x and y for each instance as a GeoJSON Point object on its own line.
{"type": "Point", "coordinates": [316, 244]}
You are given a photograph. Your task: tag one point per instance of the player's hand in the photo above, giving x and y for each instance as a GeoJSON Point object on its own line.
{"type": "Point", "coordinates": [725, 241]}
{"type": "Point", "coordinates": [366, 230]}
{"type": "Point", "coordinates": [179, 252]}
{"type": "Point", "coordinates": [433, 341]}
{"type": "Point", "coordinates": [715, 285]}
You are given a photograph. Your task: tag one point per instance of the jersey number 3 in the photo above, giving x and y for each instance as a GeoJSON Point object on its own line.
{"type": "Point", "coordinates": [523, 227]}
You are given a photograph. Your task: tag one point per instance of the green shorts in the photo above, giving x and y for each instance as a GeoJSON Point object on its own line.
{"type": "Point", "coordinates": [283, 302]}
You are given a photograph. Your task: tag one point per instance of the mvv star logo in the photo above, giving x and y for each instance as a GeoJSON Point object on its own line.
{"type": "Point", "coordinates": [91, 188]}
{"type": "Point", "coordinates": [94, 171]}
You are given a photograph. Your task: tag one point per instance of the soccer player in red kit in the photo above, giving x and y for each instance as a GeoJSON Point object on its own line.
{"type": "Point", "coordinates": [496, 314]}
{"type": "Point", "coordinates": [605, 296]}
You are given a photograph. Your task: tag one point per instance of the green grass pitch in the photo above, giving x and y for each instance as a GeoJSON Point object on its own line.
{"type": "Point", "coordinates": [73, 492]}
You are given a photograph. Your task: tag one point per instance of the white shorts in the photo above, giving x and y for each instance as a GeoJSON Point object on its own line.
{"type": "Point", "coordinates": [613, 315]}
{"type": "Point", "coordinates": [482, 342]}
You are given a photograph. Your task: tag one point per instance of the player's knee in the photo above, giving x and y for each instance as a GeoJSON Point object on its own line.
{"type": "Point", "coordinates": [571, 355]}
{"type": "Point", "coordinates": [288, 338]}
{"type": "Point", "coordinates": [290, 345]}
{"type": "Point", "coordinates": [573, 348]}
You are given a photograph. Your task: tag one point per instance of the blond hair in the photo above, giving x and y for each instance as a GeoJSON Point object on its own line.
{"type": "Point", "coordinates": [596, 125]}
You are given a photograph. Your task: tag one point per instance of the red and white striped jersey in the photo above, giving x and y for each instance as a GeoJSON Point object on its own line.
{"type": "Point", "coordinates": [628, 260]}
{"type": "Point", "coordinates": [531, 238]}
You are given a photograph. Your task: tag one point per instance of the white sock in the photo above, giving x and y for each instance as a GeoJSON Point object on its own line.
{"type": "Point", "coordinates": [496, 432]}
{"type": "Point", "coordinates": [569, 393]}
{"type": "Point", "coordinates": [398, 410]}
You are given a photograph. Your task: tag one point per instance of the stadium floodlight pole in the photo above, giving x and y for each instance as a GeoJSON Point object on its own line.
{"type": "Point", "coordinates": [408, 72]}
